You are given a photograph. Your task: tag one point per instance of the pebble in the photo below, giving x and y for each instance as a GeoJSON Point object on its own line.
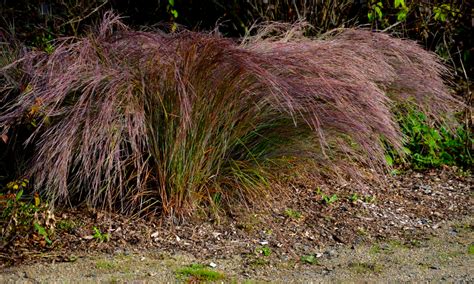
{"type": "Point", "coordinates": [331, 253]}
{"type": "Point", "coordinates": [385, 247]}
{"type": "Point", "coordinates": [326, 271]}
{"type": "Point", "coordinates": [437, 225]}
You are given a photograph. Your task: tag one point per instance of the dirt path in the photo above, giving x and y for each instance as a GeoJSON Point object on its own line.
{"type": "Point", "coordinates": [448, 256]}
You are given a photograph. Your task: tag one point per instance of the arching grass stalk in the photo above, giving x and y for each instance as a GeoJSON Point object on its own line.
{"type": "Point", "coordinates": [147, 120]}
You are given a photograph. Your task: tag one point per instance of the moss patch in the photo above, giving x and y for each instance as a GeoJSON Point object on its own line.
{"type": "Point", "coordinates": [199, 272]}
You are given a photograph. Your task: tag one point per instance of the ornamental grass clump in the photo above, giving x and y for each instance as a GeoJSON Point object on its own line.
{"type": "Point", "coordinates": [132, 120]}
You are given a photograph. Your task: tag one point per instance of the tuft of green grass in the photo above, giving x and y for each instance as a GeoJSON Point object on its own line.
{"type": "Point", "coordinates": [105, 265]}
{"type": "Point", "coordinates": [470, 249]}
{"type": "Point", "coordinates": [309, 259]}
{"type": "Point", "coordinates": [199, 272]}
{"type": "Point", "coordinates": [375, 249]}
{"type": "Point", "coordinates": [293, 214]}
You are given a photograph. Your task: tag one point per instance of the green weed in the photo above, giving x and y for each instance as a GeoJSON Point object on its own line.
{"type": "Point", "coordinates": [369, 198]}
{"type": "Point", "coordinates": [375, 249]}
{"type": "Point", "coordinates": [326, 199]}
{"type": "Point", "coordinates": [293, 214]}
{"type": "Point", "coordinates": [362, 232]}
{"type": "Point", "coordinates": [329, 199]}
{"type": "Point", "coordinates": [264, 250]}
{"type": "Point", "coordinates": [258, 262]}
{"type": "Point", "coordinates": [364, 198]}
{"type": "Point", "coordinates": [309, 259]}
{"type": "Point", "coordinates": [470, 249]}
{"type": "Point", "coordinates": [354, 197]}
{"type": "Point", "coordinates": [42, 232]}
{"type": "Point", "coordinates": [99, 236]}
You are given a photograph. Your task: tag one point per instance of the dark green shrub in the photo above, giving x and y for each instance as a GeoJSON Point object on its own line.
{"type": "Point", "coordinates": [429, 145]}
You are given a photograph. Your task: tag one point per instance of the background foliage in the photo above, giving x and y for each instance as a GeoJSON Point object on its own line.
{"type": "Point", "coordinates": [440, 25]}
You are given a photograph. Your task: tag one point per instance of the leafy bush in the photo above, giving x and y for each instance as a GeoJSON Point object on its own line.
{"type": "Point", "coordinates": [24, 216]}
{"type": "Point", "coordinates": [429, 145]}
{"type": "Point", "coordinates": [133, 120]}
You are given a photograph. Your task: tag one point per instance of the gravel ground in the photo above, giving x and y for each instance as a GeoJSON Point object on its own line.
{"type": "Point", "coordinates": [444, 257]}
{"type": "Point", "coordinates": [413, 227]}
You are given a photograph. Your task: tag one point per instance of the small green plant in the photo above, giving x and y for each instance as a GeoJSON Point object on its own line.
{"type": "Point", "coordinates": [258, 262]}
{"type": "Point", "coordinates": [45, 42]}
{"type": "Point", "coordinates": [328, 200]}
{"type": "Point", "coordinates": [264, 250]}
{"type": "Point", "coordinates": [42, 232]}
{"type": "Point", "coordinates": [375, 11]}
{"type": "Point", "coordinates": [18, 185]}
{"type": "Point", "coordinates": [402, 9]}
{"type": "Point", "coordinates": [378, 13]}
{"type": "Point", "coordinates": [293, 214]}
{"type": "Point", "coordinates": [375, 249]}
{"type": "Point", "coordinates": [170, 8]}
{"type": "Point", "coordinates": [199, 272]}
{"type": "Point", "coordinates": [309, 259]}
{"type": "Point", "coordinates": [354, 197]}
{"type": "Point", "coordinates": [470, 249]}
{"type": "Point", "coordinates": [444, 11]}
{"type": "Point", "coordinates": [369, 198]}
{"type": "Point", "coordinates": [99, 236]}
